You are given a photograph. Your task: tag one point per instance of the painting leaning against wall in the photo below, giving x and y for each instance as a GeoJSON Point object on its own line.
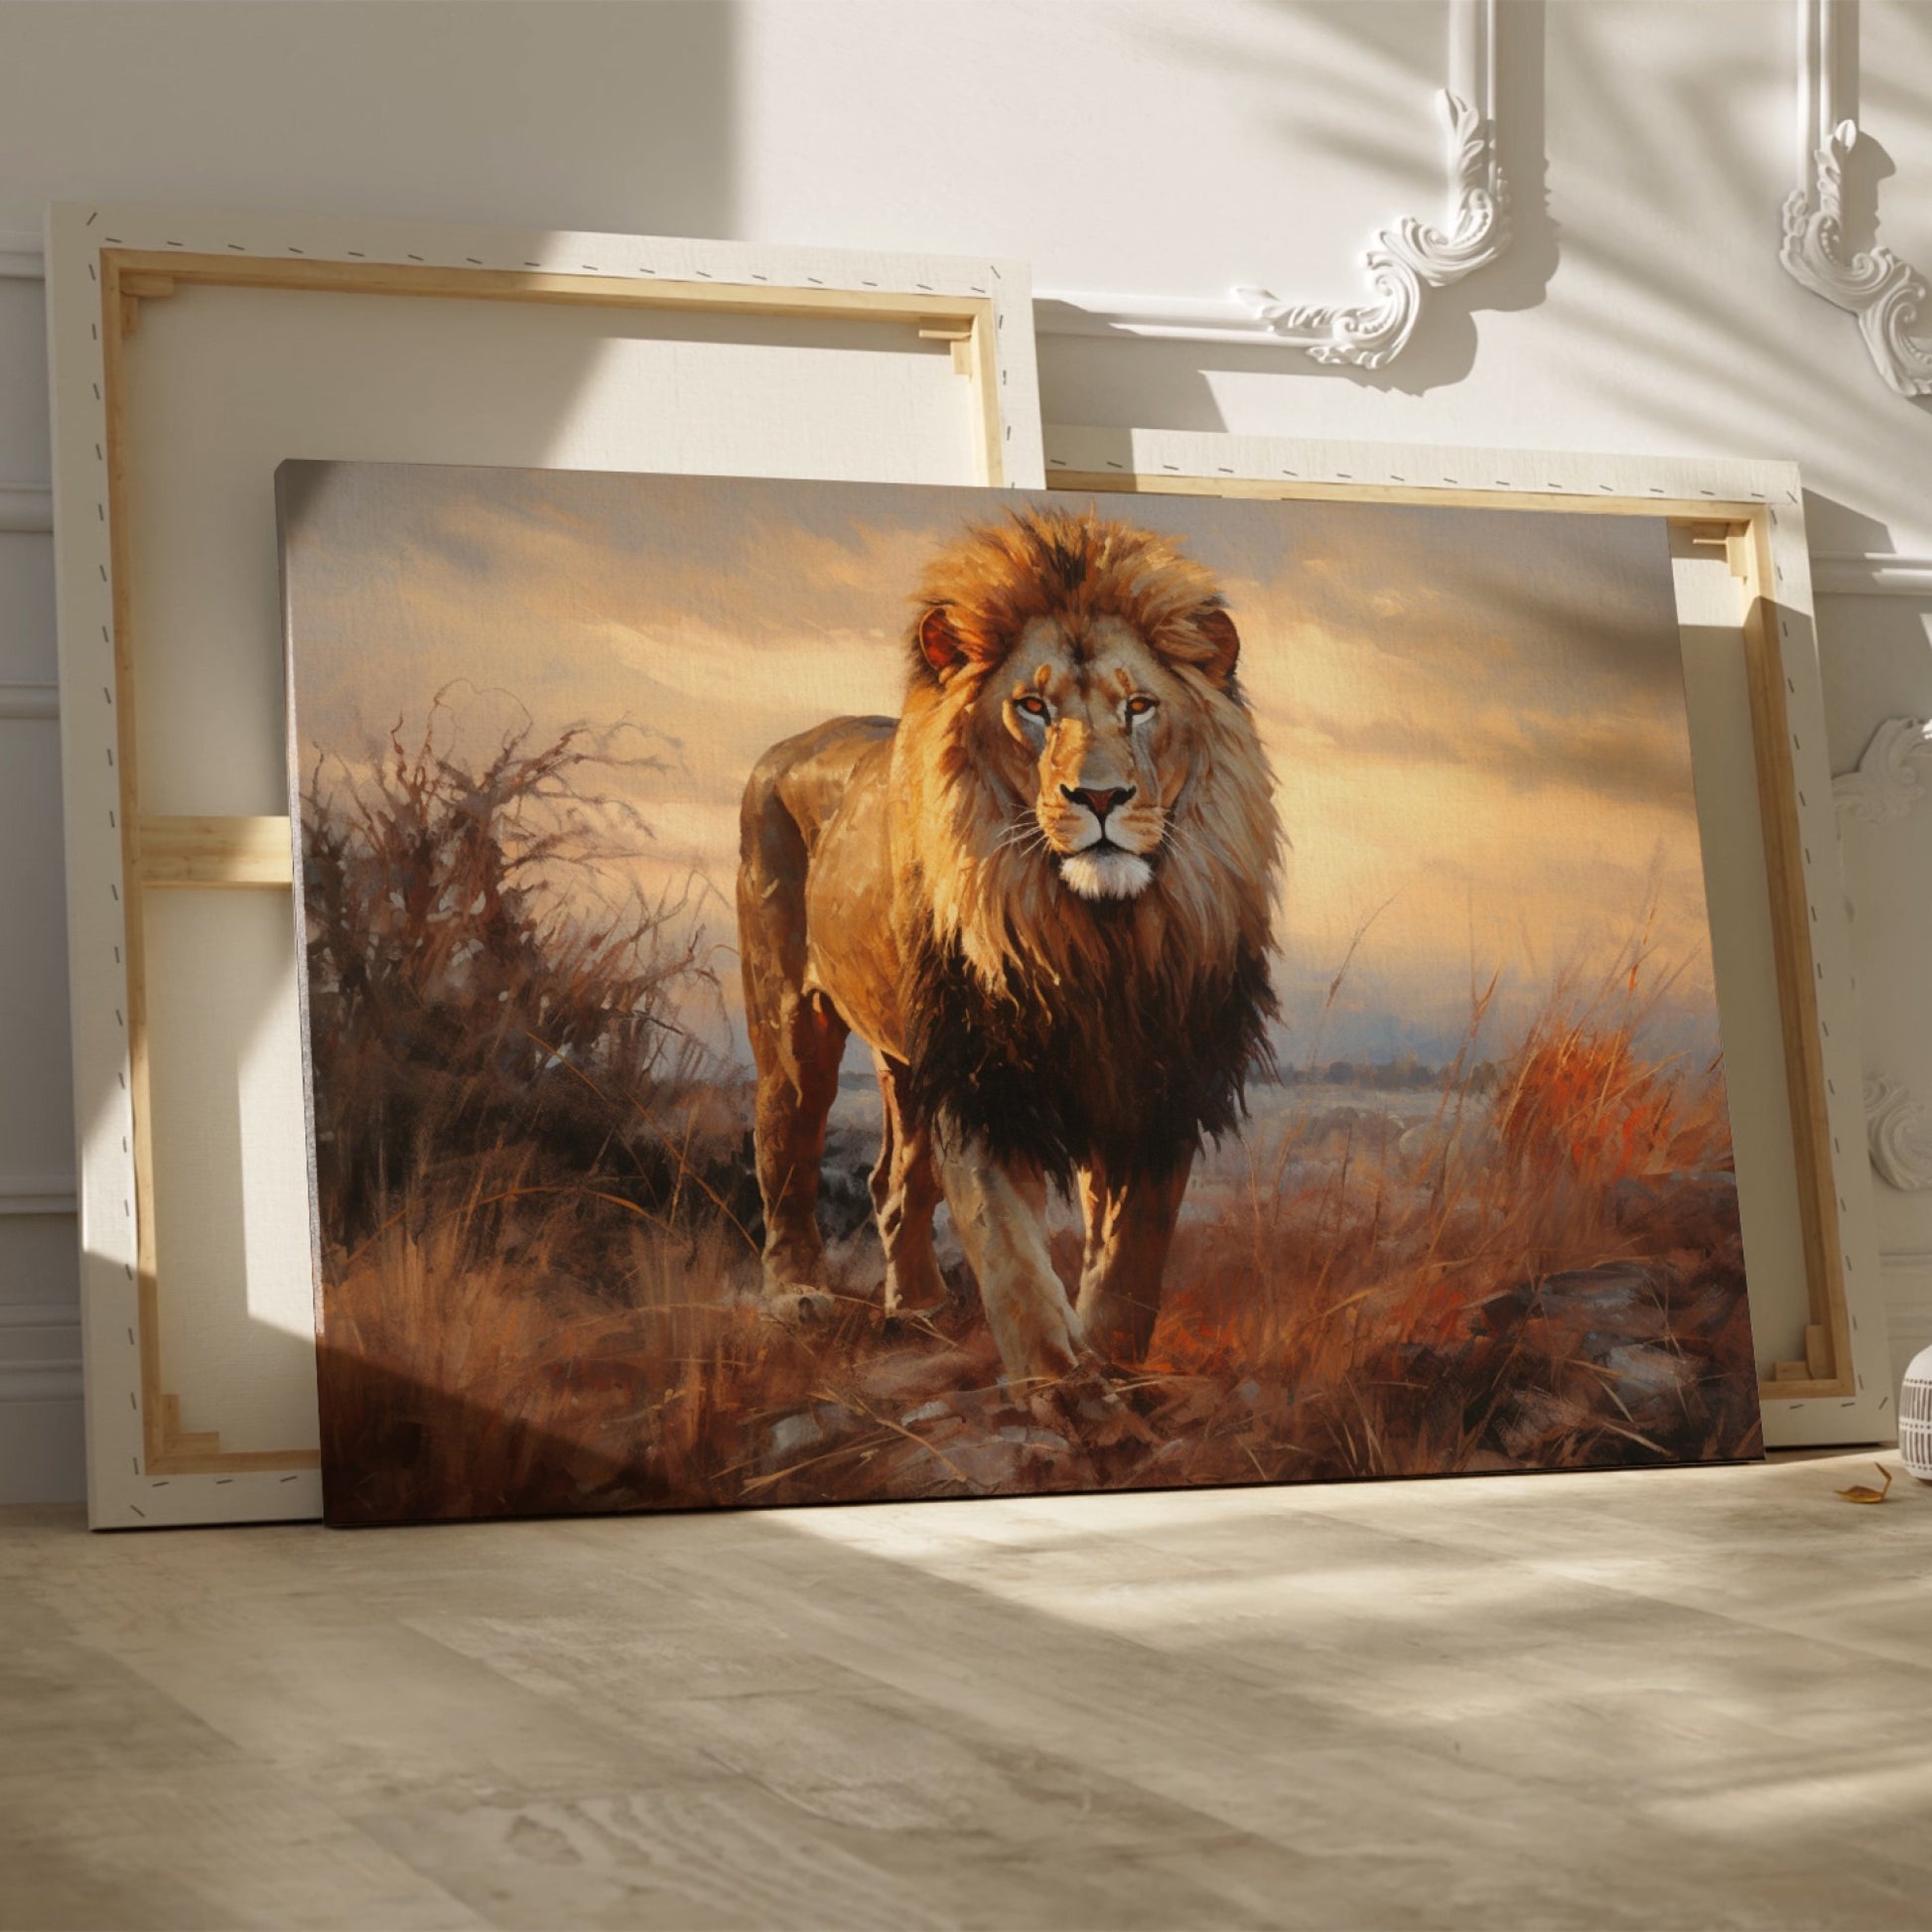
{"type": "Point", "coordinates": [820, 992]}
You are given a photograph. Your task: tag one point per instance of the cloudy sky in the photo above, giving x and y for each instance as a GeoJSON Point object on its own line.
{"type": "Point", "coordinates": [1475, 717]}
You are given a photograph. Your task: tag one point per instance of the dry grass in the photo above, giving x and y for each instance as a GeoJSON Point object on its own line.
{"type": "Point", "coordinates": [540, 1279]}
{"type": "Point", "coordinates": [1550, 1278]}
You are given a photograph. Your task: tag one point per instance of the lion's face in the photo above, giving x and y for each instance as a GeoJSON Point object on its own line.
{"type": "Point", "coordinates": [1074, 736]}
{"type": "Point", "coordinates": [1090, 730]}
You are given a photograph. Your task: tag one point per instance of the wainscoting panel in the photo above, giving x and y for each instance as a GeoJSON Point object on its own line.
{"type": "Point", "coordinates": [41, 1456]}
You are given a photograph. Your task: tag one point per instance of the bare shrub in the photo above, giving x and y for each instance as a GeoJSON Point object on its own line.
{"type": "Point", "coordinates": [477, 979]}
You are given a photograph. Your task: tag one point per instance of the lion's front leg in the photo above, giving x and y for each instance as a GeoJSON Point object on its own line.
{"type": "Point", "coordinates": [1129, 1228]}
{"type": "Point", "coordinates": [1000, 1217]}
{"type": "Point", "coordinates": [798, 1050]}
{"type": "Point", "coordinates": [905, 1192]}
{"type": "Point", "coordinates": [797, 1040]}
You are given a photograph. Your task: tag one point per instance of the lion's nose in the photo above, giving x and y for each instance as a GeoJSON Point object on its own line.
{"type": "Point", "coordinates": [1098, 802]}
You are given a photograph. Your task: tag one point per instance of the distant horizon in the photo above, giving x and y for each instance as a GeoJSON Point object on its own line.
{"type": "Point", "coordinates": [1475, 718]}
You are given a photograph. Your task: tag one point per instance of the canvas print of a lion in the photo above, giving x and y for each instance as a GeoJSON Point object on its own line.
{"type": "Point", "coordinates": [827, 992]}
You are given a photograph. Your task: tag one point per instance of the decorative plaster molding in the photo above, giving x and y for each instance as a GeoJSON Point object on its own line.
{"type": "Point", "coordinates": [1887, 784]}
{"type": "Point", "coordinates": [1898, 1130]}
{"type": "Point", "coordinates": [41, 1381]}
{"type": "Point", "coordinates": [30, 701]}
{"type": "Point", "coordinates": [1888, 296]}
{"type": "Point", "coordinates": [21, 257]}
{"type": "Point", "coordinates": [1405, 262]}
{"type": "Point", "coordinates": [37, 1193]}
{"type": "Point", "coordinates": [26, 508]}
{"type": "Point", "coordinates": [40, 1352]}
{"type": "Point", "coordinates": [1885, 294]}
{"type": "Point", "coordinates": [1886, 789]}
{"type": "Point", "coordinates": [1870, 573]}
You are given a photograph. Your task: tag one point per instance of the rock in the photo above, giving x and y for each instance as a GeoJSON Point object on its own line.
{"type": "Point", "coordinates": [1615, 1288]}
{"type": "Point", "coordinates": [790, 1435]}
{"type": "Point", "coordinates": [801, 1307]}
{"type": "Point", "coordinates": [1644, 1374]}
{"type": "Point", "coordinates": [1033, 1439]}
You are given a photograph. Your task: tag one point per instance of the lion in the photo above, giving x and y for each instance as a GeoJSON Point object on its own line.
{"type": "Point", "coordinates": [1043, 896]}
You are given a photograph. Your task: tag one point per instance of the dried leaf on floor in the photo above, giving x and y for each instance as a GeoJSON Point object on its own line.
{"type": "Point", "coordinates": [1863, 1493]}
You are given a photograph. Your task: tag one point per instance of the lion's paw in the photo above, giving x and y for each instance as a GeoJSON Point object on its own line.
{"type": "Point", "coordinates": [1087, 1403]}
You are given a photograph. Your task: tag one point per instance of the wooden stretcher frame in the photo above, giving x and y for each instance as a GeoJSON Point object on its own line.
{"type": "Point", "coordinates": [104, 264]}
{"type": "Point", "coordinates": [1752, 515]}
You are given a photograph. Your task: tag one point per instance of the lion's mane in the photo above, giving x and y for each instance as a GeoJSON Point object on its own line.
{"type": "Point", "coordinates": [1060, 1031]}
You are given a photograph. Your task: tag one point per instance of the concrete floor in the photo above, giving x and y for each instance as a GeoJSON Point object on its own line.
{"type": "Point", "coordinates": [1691, 1697]}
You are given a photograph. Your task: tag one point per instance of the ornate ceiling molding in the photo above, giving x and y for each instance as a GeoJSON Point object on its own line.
{"type": "Point", "coordinates": [1405, 262]}
{"type": "Point", "coordinates": [1899, 1131]}
{"type": "Point", "coordinates": [1887, 295]}
{"type": "Point", "coordinates": [1887, 784]}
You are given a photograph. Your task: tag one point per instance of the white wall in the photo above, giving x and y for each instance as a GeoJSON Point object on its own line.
{"type": "Point", "coordinates": [1121, 145]}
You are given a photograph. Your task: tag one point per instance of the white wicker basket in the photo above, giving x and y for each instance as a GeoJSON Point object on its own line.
{"type": "Point", "coordinates": [1915, 1416]}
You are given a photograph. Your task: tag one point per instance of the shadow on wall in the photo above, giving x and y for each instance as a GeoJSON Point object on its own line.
{"type": "Point", "coordinates": [1444, 349]}
{"type": "Point", "coordinates": [1703, 298]}
{"type": "Point", "coordinates": [379, 111]}
{"type": "Point", "coordinates": [1876, 647]}
{"type": "Point", "coordinates": [1754, 362]}
{"type": "Point", "coordinates": [335, 107]}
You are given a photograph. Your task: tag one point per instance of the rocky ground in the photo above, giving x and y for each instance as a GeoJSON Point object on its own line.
{"type": "Point", "coordinates": [1363, 1289]}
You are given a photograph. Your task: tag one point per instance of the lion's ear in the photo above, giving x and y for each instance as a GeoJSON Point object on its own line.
{"type": "Point", "coordinates": [1224, 642]}
{"type": "Point", "coordinates": [939, 642]}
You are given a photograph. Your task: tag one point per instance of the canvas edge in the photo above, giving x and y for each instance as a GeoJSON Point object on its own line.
{"type": "Point", "coordinates": [1435, 472]}
{"type": "Point", "coordinates": [121, 1494]}
{"type": "Point", "coordinates": [1871, 1411]}
{"type": "Point", "coordinates": [298, 917]}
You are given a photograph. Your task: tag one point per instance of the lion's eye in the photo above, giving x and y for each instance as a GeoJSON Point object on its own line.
{"type": "Point", "coordinates": [1139, 706]}
{"type": "Point", "coordinates": [1034, 707]}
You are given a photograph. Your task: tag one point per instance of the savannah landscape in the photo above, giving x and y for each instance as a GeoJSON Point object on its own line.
{"type": "Point", "coordinates": [540, 1225]}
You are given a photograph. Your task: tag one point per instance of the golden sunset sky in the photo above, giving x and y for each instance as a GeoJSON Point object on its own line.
{"type": "Point", "coordinates": [1475, 717]}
